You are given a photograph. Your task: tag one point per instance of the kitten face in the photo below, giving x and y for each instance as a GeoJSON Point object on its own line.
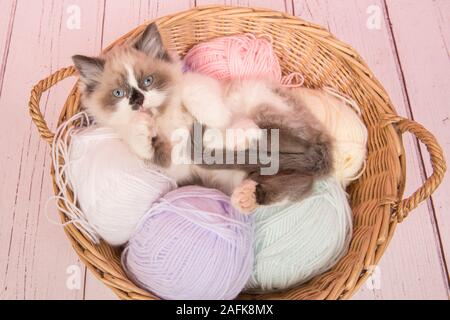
{"type": "Point", "coordinates": [131, 82]}
{"type": "Point", "coordinates": [129, 79]}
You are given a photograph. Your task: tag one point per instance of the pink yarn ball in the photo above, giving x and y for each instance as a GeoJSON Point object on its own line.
{"type": "Point", "coordinates": [239, 57]}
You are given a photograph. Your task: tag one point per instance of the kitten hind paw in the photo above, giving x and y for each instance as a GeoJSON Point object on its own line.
{"type": "Point", "coordinates": [244, 197]}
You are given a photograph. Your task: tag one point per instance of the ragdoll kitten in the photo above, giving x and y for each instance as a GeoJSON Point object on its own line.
{"type": "Point", "coordinates": [141, 91]}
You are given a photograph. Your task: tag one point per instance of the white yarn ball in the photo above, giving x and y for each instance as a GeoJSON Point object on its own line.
{"type": "Point", "coordinates": [340, 116]}
{"type": "Point", "coordinates": [114, 188]}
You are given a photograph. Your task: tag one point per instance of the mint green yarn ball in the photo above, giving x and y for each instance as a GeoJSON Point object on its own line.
{"type": "Point", "coordinates": [295, 242]}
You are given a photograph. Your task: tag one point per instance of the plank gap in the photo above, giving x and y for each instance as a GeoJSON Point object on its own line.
{"type": "Point", "coordinates": [7, 44]}
{"type": "Point", "coordinates": [103, 25]}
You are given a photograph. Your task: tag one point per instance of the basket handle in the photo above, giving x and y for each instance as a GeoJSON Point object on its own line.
{"type": "Point", "coordinates": [437, 162]}
{"type": "Point", "coordinates": [35, 98]}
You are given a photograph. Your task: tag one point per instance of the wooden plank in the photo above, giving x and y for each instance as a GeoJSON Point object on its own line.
{"type": "Point", "coordinates": [426, 67]}
{"type": "Point", "coordinates": [37, 260]}
{"type": "Point", "coordinates": [120, 19]}
{"type": "Point", "coordinates": [411, 268]}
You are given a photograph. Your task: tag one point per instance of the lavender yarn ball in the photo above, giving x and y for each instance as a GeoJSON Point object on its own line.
{"type": "Point", "coordinates": [192, 245]}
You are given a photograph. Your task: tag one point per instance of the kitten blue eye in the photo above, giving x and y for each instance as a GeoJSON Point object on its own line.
{"type": "Point", "coordinates": [148, 81]}
{"type": "Point", "coordinates": [119, 93]}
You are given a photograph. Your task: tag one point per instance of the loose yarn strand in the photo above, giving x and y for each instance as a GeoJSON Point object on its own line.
{"type": "Point", "coordinates": [60, 158]}
{"type": "Point", "coordinates": [335, 93]}
{"type": "Point", "coordinates": [288, 81]}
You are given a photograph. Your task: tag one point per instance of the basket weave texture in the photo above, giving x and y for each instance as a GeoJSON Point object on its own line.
{"type": "Point", "coordinates": [376, 198]}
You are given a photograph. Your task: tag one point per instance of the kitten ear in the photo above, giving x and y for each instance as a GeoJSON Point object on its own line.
{"type": "Point", "coordinates": [151, 43]}
{"type": "Point", "coordinates": [90, 69]}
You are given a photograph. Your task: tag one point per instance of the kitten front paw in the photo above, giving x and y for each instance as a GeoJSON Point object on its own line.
{"type": "Point", "coordinates": [141, 135]}
{"type": "Point", "coordinates": [244, 197]}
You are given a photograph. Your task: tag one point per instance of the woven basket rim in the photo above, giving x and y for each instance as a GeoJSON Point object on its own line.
{"type": "Point", "coordinates": [345, 279]}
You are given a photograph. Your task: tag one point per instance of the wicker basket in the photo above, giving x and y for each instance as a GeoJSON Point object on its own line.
{"type": "Point", "coordinates": [376, 198]}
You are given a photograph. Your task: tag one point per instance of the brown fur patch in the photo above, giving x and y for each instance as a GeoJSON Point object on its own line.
{"type": "Point", "coordinates": [286, 185]}
{"type": "Point", "coordinates": [303, 139]}
{"type": "Point", "coordinates": [162, 151]}
{"type": "Point", "coordinates": [161, 73]}
{"type": "Point", "coordinates": [115, 79]}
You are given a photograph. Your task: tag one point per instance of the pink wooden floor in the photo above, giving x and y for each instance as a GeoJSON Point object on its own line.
{"type": "Point", "coordinates": [405, 42]}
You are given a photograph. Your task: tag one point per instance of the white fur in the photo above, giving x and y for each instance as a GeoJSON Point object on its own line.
{"type": "Point", "coordinates": [203, 97]}
{"type": "Point", "coordinates": [206, 99]}
{"type": "Point", "coordinates": [139, 135]}
{"type": "Point", "coordinates": [136, 129]}
{"type": "Point", "coordinates": [122, 116]}
{"type": "Point", "coordinates": [154, 99]}
{"type": "Point", "coordinates": [131, 78]}
{"type": "Point", "coordinates": [246, 96]}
